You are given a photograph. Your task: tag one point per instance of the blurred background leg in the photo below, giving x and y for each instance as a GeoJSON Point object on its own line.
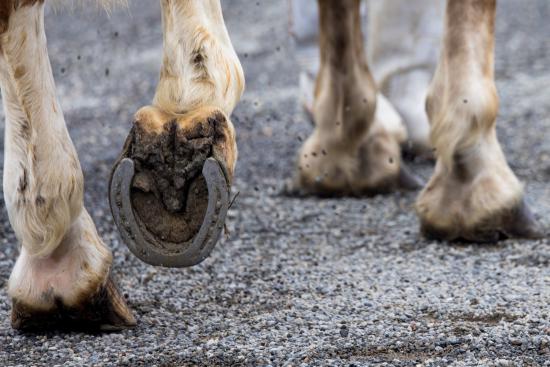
{"type": "Point", "coordinates": [402, 44]}
{"type": "Point", "coordinates": [403, 47]}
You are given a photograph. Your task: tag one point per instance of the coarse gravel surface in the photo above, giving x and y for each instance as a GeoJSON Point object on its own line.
{"type": "Point", "coordinates": [299, 281]}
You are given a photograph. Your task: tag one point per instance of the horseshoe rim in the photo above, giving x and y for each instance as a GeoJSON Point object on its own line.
{"type": "Point", "coordinates": [148, 247]}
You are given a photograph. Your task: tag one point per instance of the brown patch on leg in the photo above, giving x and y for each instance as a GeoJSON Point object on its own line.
{"type": "Point", "coordinates": [23, 182]}
{"type": "Point", "coordinates": [7, 7]}
{"type": "Point", "coordinates": [353, 150]}
{"type": "Point", "coordinates": [198, 60]}
{"type": "Point", "coordinates": [106, 310]}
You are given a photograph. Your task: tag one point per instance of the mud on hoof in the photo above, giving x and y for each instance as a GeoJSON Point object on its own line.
{"type": "Point", "coordinates": [106, 310]}
{"type": "Point", "coordinates": [170, 189]}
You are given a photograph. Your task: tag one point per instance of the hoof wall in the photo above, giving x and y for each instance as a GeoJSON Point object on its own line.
{"type": "Point", "coordinates": [104, 311]}
{"type": "Point", "coordinates": [517, 222]}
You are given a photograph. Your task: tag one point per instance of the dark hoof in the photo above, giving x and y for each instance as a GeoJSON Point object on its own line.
{"type": "Point", "coordinates": [412, 153]}
{"type": "Point", "coordinates": [407, 180]}
{"type": "Point", "coordinates": [292, 188]}
{"type": "Point", "coordinates": [104, 311]}
{"type": "Point", "coordinates": [162, 238]}
{"type": "Point", "coordinates": [517, 222]}
{"type": "Point", "coordinates": [521, 223]}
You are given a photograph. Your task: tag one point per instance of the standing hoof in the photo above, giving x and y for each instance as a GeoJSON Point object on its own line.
{"type": "Point", "coordinates": [370, 168]}
{"type": "Point", "coordinates": [169, 192]}
{"type": "Point", "coordinates": [69, 289]}
{"type": "Point", "coordinates": [478, 200]}
{"type": "Point", "coordinates": [106, 310]}
{"type": "Point", "coordinates": [515, 222]}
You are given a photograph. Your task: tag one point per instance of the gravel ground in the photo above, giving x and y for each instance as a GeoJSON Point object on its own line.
{"type": "Point", "coordinates": [299, 281]}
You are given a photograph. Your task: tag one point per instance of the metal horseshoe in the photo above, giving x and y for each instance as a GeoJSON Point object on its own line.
{"type": "Point", "coordinates": [148, 247]}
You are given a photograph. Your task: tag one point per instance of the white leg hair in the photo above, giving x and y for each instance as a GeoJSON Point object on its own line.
{"type": "Point", "coordinates": [76, 269]}
{"type": "Point", "coordinates": [200, 66]}
{"type": "Point", "coordinates": [42, 177]}
{"type": "Point", "coordinates": [62, 256]}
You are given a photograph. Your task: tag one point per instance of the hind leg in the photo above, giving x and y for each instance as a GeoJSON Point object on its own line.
{"type": "Point", "coordinates": [473, 194]}
{"type": "Point", "coordinates": [62, 273]}
{"type": "Point", "coordinates": [355, 147]}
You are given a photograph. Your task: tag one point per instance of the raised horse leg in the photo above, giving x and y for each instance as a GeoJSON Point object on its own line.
{"type": "Point", "coordinates": [169, 190]}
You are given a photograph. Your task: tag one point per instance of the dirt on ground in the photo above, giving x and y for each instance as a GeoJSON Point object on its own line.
{"type": "Point", "coordinates": [299, 281]}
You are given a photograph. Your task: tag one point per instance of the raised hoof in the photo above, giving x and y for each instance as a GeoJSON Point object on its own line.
{"type": "Point", "coordinates": [169, 191]}
{"type": "Point", "coordinates": [105, 311]}
{"type": "Point", "coordinates": [154, 249]}
{"type": "Point", "coordinates": [516, 222]}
